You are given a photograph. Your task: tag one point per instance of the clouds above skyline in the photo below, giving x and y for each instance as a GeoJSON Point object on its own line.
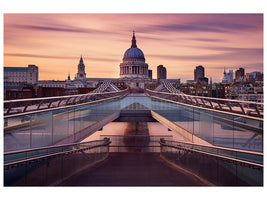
{"type": "Point", "coordinates": [54, 42]}
{"type": "Point", "coordinates": [60, 57]}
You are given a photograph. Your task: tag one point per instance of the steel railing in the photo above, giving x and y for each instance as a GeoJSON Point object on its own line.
{"type": "Point", "coordinates": [52, 165]}
{"type": "Point", "coordinates": [35, 104]}
{"type": "Point", "coordinates": [170, 87]}
{"type": "Point", "coordinates": [218, 165]}
{"type": "Point", "coordinates": [243, 157]}
{"type": "Point", "coordinates": [136, 143]}
{"type": "Point", "coordinates": [233, 106]}
{"type": "Point", "coordinates": [16, 158]}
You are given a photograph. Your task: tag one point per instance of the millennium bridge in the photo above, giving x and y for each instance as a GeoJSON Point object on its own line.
{"type": "Point", "coordinates": [69, 140]}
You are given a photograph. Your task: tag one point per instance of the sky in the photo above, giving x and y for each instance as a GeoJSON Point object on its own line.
{"type": "Point", "coordinates": [180, 42]}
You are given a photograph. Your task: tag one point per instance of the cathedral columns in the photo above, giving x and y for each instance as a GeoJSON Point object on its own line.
{"type": "Point", "coordinates": [139, 70]}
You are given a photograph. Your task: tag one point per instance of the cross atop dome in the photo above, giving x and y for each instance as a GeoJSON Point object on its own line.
{"type": "Point", "coordinates": [133, 42]}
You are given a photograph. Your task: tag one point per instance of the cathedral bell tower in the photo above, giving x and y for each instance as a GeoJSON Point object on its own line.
{"type": "Point", "coordinates": [81, 75]}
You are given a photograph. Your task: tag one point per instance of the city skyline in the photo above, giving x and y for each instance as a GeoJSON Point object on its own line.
{"type": "Point", "coordinates": [180, 42]}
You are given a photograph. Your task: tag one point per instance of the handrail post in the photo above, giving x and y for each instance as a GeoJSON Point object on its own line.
{"type": "Point", "coordinates": [59, 102]}
{"type": "Point", "coordinates": [50, 103]}
{"type": "Point", "coordinates": [191, 101]}
{"type": "Point", "coordinates": [196, 101]}
{"type": "Point", "coordinates": [68, 101]}
{"type": "Point", "coordinates": [161, 142]}
{"type": "Point", "coordinates": [26, 106]}
{"type": "Point", "coordinates": [210, 103]}
{"type": "Point", "coordinates": [185, 99]}
{"type": "Point", "coordinates": [242, 109]}
{"type": "Point", "coordinates": [203, 102]}
{"type": "Point", "coordinates": [229, 105]}
{"type": "Point", "coordinates": [9, 108]}
{"type": "Point", "coordinates": [74, 100]}
{"type": "Point", "coordinates": [257, 110]}
{"type": "Point", "coordinates": [219, 105]}
{"type": "Point", "coordinates": [39, 105]}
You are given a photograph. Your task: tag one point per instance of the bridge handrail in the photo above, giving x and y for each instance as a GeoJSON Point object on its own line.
{"type": "Point", "coordinates": [105, 142]}
{"type": "Point", "coordinates": [49, 147]}
{"type": "Point", "coordinates": [170, 87]}
{"type": "Point", "coordinates": [211, 98]}
{"type": "Point", "coordinates": [228, 105]}
{"type": "Point", "coordinates": [21, 105]}
{"type": "Point", "coordinates": [209, 150]}
{"type": "Point", "coordinates": [60, 97]}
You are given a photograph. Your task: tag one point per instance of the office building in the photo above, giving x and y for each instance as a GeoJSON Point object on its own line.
{"type": "Point", "coordinates": [161, 72]}
{"type": "Point", "coordinates": [199, 72]}
{"type": "Point", "coordinates": [21, 74]}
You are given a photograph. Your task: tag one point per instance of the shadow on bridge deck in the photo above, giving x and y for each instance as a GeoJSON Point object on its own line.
{"type": "Point", "coordinates": [133, 169]}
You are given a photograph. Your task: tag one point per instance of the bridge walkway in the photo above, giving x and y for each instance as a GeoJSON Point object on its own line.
{"type": "Point", "coordinates": [133, 169]}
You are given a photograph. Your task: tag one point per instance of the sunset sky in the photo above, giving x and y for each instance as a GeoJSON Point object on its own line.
{"type": "Point", "coordinates": [180, 42]}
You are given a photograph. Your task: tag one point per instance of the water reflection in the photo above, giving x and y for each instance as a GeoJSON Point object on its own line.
{"type": "Point", "coordinates": [136, 136]}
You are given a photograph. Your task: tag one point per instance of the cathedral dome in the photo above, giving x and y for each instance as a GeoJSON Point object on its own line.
{"type": "Point", "coordinates": [134, 69]}
{"type": "Point", "coordinates": [134, 53]}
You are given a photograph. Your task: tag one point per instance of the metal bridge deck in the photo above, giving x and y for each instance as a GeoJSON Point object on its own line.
{"type": "Point", "coordinates": [133, 169]}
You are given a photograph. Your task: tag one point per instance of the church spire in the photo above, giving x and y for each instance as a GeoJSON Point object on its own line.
{"type": "Point", "coordinates": [81, 59]}
{"type": "Point", "coordinates": [81, 75]}
{"type": "Point", "coordinates": [133, 42]}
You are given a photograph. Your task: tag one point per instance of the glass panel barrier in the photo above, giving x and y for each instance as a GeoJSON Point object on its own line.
{"type": "Point", "coordinates": [248, 134]}
{"type": "Point", "coordinates": [71, 126]}
{"type": "Point", "coordinates": [51, 169]}
{"type": "Point", "coordinates": [206, 126]}
{"type": "Point", "coordinates": [17, 133]}
{"type": "Point", "coordinates": [63, 125]}
{"type": "Point", "coordinates": [216, 127]}
{"type": "Point", "coordinates": [41, 129]}
{"type": "Point", "coordinates": [60, 125]}
{"type": "Point", "coordinates": [220, 166]}
{"type": "Point", "coordinates": [249, 156]}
